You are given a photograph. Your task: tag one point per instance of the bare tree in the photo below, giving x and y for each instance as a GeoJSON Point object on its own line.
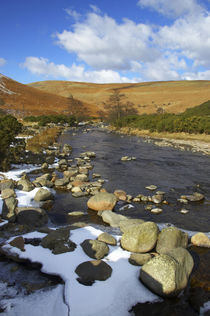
{"type": "Point", "coordinates": [77, 108]}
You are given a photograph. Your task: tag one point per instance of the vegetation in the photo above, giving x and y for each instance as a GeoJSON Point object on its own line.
{"type": "Point", "coordinates": [9, 128]}
{"type": "Point", "coordinates": [77, 109]}
{"type": "Point", "coordinates": [43, 140]}
{"type": "Point", "coordinates": [43, 120]}
{"type": "Point", "coordinates": [195, 120]}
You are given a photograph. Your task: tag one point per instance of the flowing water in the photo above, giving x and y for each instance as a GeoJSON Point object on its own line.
{"type": "Point", "coordinates": [173, 171]}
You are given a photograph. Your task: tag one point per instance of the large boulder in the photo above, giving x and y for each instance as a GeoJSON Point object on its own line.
{"type": "Point", "coordinates": [120, 194]}
{"type": "Point", "coordinates": [8, 208]}
{"type": "Point", "coordinates": [168, 274]}
{"type": "Point", "coordinates": [139, 259]}
{"type": "Point", "coordinates": [25, 185]}
{"type": "Point", "coordinates": [90, 271]}
{"type": "Point", "coordinates": [31, 216]}
{"type": "Point", "coordinates": [125, 225]}
{"type": "Point", "coordinates": [140, 238]}
{"type": "Point", "coordinates": [43, 195]}
{"type": "Point", "coordinates": [94, 248]}
{"type": "Point", "coordinates": [6, 184]}
{"type": "Point", "coordinates": [7, 193]}
{"type": "Point", "coordinates": [58, 241]}
{"type": "Point", "coordinates": [102, 201]}
{"type": "Point", "coordinates": [170, 238]}
{"type": "Point", "coordinates": [112, 218]}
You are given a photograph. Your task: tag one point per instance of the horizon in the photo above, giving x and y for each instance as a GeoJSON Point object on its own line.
{"type": "Point", "coordinates": [105, 42]}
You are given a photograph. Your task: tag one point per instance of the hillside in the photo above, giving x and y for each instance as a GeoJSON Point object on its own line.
{"type": "Point", "coordinates": [22, 100]}
{"type": "Point", "coordinates": [172, 96]}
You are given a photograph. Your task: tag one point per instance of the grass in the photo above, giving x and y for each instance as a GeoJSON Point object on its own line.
{"type": "Point", "coordinates": [43, 140]}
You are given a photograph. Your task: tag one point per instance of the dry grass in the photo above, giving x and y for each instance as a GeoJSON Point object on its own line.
{"type": "Point", "coordinates": [43, 140]}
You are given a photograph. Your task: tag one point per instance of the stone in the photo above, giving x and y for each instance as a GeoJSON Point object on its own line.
{"type": "Point", "coordinates": [184, 211]}
{"type": "Point", "coordinates": [8, 208]}
{"type": "Point", "coordinates": [89, 271]}
{"type": "Point", "coordinates": [156, 210]}
{"type": "Point", "coordinates": [107, 238]}
{"type": "Point", "coordinates": [61, 182]}
{"type": "Point", "coordinates": [126, 224]}
{"type": "Point", "coordinates": [71, 172]}
{"type": "Point", "coordinates": [7, 193]}
{"type": "Point", "coordinates": [82, 177]}
{"type": "Point", "coordinates": [18, 242]}
{"type": "Point", "coordinates": [140, 238]}
{"type": "Point", "coordinates": [169, 238]}
{"type": "Point", "coordinates": [76, 213]}
{"type": "Point", "coordinates": [120, 194]}
{"type": "Point", "coordinates": [44, 181]}
{"type": "Point", "coordinates": [6, 184]}
{"type": "Point", "coordinates": [58, 241]}
{"type": "Point", "coordinates": [200, 240]}
{"type": "Point", "coordinates": [157, 198]}
{"type": "Point", "coordinates": [126, 158]}
{"type": "Point", "coordinates": [43, 195]}
{"type": "Point", "coordinates": [195, 197]}
{"type": "Point", "coordinates": [67, 149]}
{"type": "Point", "coordinates": [112, 218]}
{"type": "Point", "coordinates": [102, 201]}
{"type": "Point", "coordinates": [25, 185]}
{"type": "Point", "coordinates": [94, 248]}
{"type": "Point", "coordinates": [168, 274]}
{"type": "Point", "coordinates": [83, 170]}
{"type": "Point", "coordinates": [31, 216]}
{"type": "Point", "coordinates": [139, 259]}
{"type": "Point", "coordinates": [96, 175]}
{"type": "Point", "coordinates": [151, 187]}
{"type": "Point", "coordinates": [45, 165]}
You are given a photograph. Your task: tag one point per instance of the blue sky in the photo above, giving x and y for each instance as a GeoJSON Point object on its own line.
{"type": "Point", "coordinates": [105, 41]}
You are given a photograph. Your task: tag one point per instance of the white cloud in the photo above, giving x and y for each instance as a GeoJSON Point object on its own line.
{"type": "Point", "coordinates": [201, 75]}
{"type": "Point", "coordinates": [73, 14]}
{"type": "Point", "coordinates": [42, 66]}
{"type": "Point", "coordinates": [173, 8]}
{"type": "Point", "coordinates": [2, 61]}
{"type": "Point", "coordinates": [104, 44]}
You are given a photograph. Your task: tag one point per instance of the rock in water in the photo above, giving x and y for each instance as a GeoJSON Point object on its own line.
{"type": "Point", "coordinates": [200, 240]}
{"type": "Point", "coordinates": [90, 271]}
{"type": "Point", "coordinates": [112, 218]}
{"type": "Point", "coordinates": [140, 238]}
{"type": "Point", "coordinates": [167, 274]}
{"type": "Point", "coordinates": [43, 195]}
{"type": "Point", "coordinates": [31, 216]}
{"type": "Point", "coordinates": [170, 238]}
{"type": "Point", "coordinates": [94, 248]}
{"type": "Point", "coordinates": [102, 201]}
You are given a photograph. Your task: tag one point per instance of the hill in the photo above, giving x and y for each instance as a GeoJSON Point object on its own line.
{"type": "Point", "coordinates": [22, 100]}
{"type": "Point", "coordinates": [148, 97]}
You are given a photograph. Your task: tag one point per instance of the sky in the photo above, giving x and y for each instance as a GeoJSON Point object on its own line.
{"type": "Point", "coordinates": [105, 41]}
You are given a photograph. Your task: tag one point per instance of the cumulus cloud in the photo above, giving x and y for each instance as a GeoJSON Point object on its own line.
{"type": "Point", "coordinates": [42, 66]}
{"type": "Point", "coordinates": [172, 8]}
{"type": "Point", "coordinates": [2, 61]}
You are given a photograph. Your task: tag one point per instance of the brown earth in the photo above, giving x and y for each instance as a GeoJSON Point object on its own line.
{"type": "Point", "coordinates": [23, 100]}
{"type": "Point", "coordinates": [172, 96]}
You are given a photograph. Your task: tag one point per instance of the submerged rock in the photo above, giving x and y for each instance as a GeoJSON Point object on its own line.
{"type": "Point", "coordinates": [167, 274]}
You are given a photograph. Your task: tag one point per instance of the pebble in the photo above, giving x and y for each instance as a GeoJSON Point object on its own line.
{"type": "Point", "coordinates": [151, 187]}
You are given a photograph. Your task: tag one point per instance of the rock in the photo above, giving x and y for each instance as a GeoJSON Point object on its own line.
{"type": "Point", "coordinates": [157, 198]}
{"type": "Point", "coordinates": [76, 213]}
{"type": "Point", "coordinates": [31, 216]}
{"type": "Point", "coordinates": [18, 242]}
{"type": "Point", "coordinates": [43, 195]}
{"type": "Point", "coordinates": [58, 241]}
{"type": "Point", "coordinates": [107, 238]}
{"type": "Point", "coordinates": [167, 274]}
{"type": "Point", "coordinates": [90, 271]}
{"type": "Point", "coordinates": [44, 181]}
{"type": "Point", "coordinates": [71, 172]}
{"type": "Point", "coordinates": [96, 175]}
{"type": "Point", "coordinates": [7, 193]}
{"type": "Point", "coordinates": [67, 149]}
{"type": "Point", "coordinates": [82, 177]}
{"type": "Point", "coordinates": [61, 182]}
{"type": "Point", "coordinates": [83, 170]}
{"type": "Point", "coordinates": [151, 187]}
{"type": "Point", "coordinates": [195, 197]}
{"type": "Point", "coordinates": [25, 185]}
{"type": "Point", "coordinates": [6, 184]}
{"type": "Point", "coordinates": [156, 210]}
{"type": "Point", "coordinates": [45, 165]}
{"type": "Point", "coordinates": [76, 190]}
{"type": "Point", "coordinates": [126, 158]}
{"type": "Point", "coordinates": [140, 238]}
{"type": "Point", "coordinates": [169, 238]}
{"type": "Point", "coordinates": [200, 240]}
{"type": "Point", "coordinates": [126, 224]}
{"type": "Point", "coordinates": [89, 154]}
{"type": "Point", "coordinates": [120, 194]}
{"type": "Point", "coordinates": [112, 219]}
{"type": "Point", "coordinates": [8, 208]}
{"type": "Point", "coordinates": [102, 201]}
{"type": "Point", "coordinates": [139, 259]}
{"type": "Point", "coordinates": [184, 211]}
{"type": "Point", "coordinates": [94, 248]}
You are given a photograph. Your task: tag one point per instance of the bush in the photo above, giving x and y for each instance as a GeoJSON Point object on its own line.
{"type": "Point", "coordinates": [43, 120]}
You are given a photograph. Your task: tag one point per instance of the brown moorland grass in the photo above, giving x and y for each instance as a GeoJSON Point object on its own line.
{"type": "Point", "coordinates": [172, 96]}
{"type": "Point", "coordinates": [43, 140]}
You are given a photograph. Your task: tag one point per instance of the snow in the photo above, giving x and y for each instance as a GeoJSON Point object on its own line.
{"type": "Point", "coordinates": [15, 174]}
{"type": "Point", "coordinates": [114, 296]}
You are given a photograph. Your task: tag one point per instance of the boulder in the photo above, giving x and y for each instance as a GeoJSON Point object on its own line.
{"type": "Point", "coordinates": [126, 224]}
{"type": "Point", "coordinates": [107, 238]}
{"type": "Point", "coordinates": [195, 197]}
{"type": "Point", "coordinates": [169, 238]}
{"type": "Point", "coordinates": [168, 274]}
{"type": "Point", "coordinates": [43, 195]}
{"type": "Point", "coordinates": [6, 184]}
{"type": "Point", "coordinates": [157, 198]}
{"type": "Point", "coordinates": [112, 218]}
{"type": "Point", "coordinates": [18, 242]}
{"type": "Point", "coordinates": [90, 271]}
{"type": "Point", "coordinates": [156, 210]}
{"type": "Point", "coordinates": [25, 185]}
{"type": "Point", "coordinates": [120, 194]}
{"type": "Point", "coordinates": [94, 248]}
{"type": "Point", "coordinates": [102, 201]}
{"type": "Point", "coordinates": [139, 259]}
{"type": "Point", "coordinates": [31, 216]}
{"type": "Point", "coordinates": [8, 209]}
{"type": "Point", "coordinates": [82, 177]}
{"type": "Point", "coordinates": [140, 238]}
{"type": "Point", "coordinates": [200, 240]}
{"type": "Point", "coordinates": [61, 182]}
{"type": "Point", "coordinates": [67, 149]}
{"type": "Point", "coordinates": [58, 241]}
{"type": "Point", "coordinates": [7, 193]}
{"type": "Point", "coordinates": [71, 172]}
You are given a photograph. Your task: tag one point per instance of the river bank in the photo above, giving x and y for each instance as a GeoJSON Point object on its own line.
{"type": "Point", "coordinates": [181, 141]}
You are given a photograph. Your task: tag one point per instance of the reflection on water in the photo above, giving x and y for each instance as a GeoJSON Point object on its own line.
{"type": "Point", "coordinates": [172, 171]}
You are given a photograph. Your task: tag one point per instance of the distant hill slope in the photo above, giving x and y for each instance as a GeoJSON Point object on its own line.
{"type": "Point", "coordinates": [22, 100]}
{"type": "Point", "coordinates": [172, 96]}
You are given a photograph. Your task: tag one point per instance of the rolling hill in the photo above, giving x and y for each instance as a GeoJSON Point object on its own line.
{"type": "Point", "coordinates": [172, 96]}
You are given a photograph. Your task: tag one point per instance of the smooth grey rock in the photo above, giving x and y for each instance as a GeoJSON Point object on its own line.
{"type": "Point", "coordinates": [112, 218]}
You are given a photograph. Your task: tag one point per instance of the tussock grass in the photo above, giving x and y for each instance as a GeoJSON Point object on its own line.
{"type": "Point", "coordinates": [43, 140]}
